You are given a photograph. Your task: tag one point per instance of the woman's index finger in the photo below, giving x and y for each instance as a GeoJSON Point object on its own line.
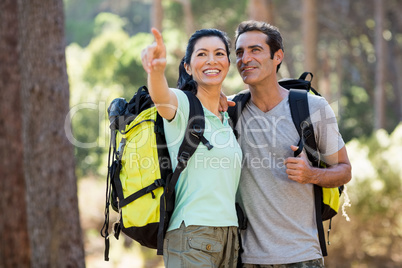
{"type": "Point", "coordinates": [158, 36]}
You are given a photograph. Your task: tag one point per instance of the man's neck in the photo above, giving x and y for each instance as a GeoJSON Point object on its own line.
{"type": "Point", "coordinates": [267, 97]}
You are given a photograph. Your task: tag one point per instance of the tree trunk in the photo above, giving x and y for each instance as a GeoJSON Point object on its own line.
{"type": "Point", "coordinates": [310, 38]}
{"type": "Point", "coordinates": [394, 67]}
{"type": "Point", "coordinates": [261, 10]}
{"type": "Point", "coordinates": [339, 90]}
{"type": "Point", "coordinates": [397, 81]}
{"type": "Point", "coordinates": [157, 14]}
{"type": "Point", "coordinates": [46, 185]}
{"type": "Point", "coordinates": [380, 67]}
{"type": "Point", "coordinates": [14, 247]}
{"type": "Point", "coordinates": [325, 82]}
{"type": "Point", "coordinates": [188, 17]}
{"type": "Point", "coordinates": [189, 23]}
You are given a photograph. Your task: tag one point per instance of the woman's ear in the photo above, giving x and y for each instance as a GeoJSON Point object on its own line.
{"type": "Point", "coordinates": [188, 69]}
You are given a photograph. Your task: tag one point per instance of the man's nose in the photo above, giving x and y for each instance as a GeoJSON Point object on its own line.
{"type": "Point", "coordinates": [246, 58]}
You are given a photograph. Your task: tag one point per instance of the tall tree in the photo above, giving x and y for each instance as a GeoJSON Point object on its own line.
{"type": "Point", "coordinates": [15, 247]}
{"type": "Point", "coordinates": [395, 58]}
{"type": "Point", "coordinates": [261, 10]}
{"type": "Point", "coordinates": [44, 207]}
{"type": "Point", "coordinates": [379, 108]}
{"type": "Point", "coordinates": [157, 14]}
{"type": "Point", "coordinates": [325, 83]}
{"type": "Point", "coordinates": [188, 16]}
{"type": "Point", "coordinates": [310, 37]}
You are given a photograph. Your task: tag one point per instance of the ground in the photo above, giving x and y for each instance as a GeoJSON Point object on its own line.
{"type": "Point", "coordinates": [123, 252]}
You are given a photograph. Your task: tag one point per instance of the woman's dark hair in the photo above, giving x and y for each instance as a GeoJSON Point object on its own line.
{"type": "Point", "coordinates": [274, 38]}
{"type": "Point", "coordinates": [185, 81]}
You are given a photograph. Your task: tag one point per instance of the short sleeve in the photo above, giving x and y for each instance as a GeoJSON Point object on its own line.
{"type": "Point", "coordinates": [175, 128]}
{"type": "Point", "coordinates": [326, 130]}
{"type": "Point", "coordinates": [183, 108]}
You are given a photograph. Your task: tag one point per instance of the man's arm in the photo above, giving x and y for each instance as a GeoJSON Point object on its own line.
{"type": "Point", "coordinates": [338, 172]}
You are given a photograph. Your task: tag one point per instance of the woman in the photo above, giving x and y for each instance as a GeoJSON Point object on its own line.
{"type": "Point", "coordinates": [203, 228]}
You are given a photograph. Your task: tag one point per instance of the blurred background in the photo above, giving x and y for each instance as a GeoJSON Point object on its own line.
{"type": "Point", "coordinates": [353, 48]}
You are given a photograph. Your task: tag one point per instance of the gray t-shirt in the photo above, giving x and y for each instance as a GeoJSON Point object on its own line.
{"type": "Point", "coordinates": [282, 227]}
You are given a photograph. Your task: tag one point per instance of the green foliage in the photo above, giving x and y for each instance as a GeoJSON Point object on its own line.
{"type": "Point", "coordinates": [87, 112]}
{"type": "Point", "coordinates": [137, 15]}
{"type": "Point", "coordinates": [105, 49]}
{"type": "Point", "coordinates": [79, 20]}
{"type": "Point", "coordinates": [373, 237]}
{"type": "Point", "coordinates": [224, 15]}
{"type": "Point", "coordinates": [89, 155]}
{"type": "Point", "coordinates": [92, 85]}
{"type": "Point", "coordinates": [80, 16]}
{"type": "Point", "coordinates": [357, 115]}
{"type": "Point", "coordinates": [108, 23]}
{"type": "Point", "coordinates": [382, 174]}
{"type": "Point", "coordinates": [129, 72]}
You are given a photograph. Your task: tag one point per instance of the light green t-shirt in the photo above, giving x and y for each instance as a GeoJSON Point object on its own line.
{"type": "Point", "coordinates": [206, 189]}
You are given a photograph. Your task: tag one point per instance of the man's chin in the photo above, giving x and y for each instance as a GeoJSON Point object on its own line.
{"type": "Point", "coordinates": [247, 79]}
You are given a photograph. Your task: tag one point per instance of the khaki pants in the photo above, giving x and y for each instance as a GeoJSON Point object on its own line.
{"type": "Point", "coordinates": [201, 246]}
{"type": "Point", "coordinates": [318, 263]}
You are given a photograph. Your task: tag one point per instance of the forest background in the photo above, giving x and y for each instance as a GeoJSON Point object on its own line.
{"type": "Point", "coordinates": [353, 48]}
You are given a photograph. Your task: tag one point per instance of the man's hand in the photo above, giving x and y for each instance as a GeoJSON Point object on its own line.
{"type": "Point", "coordinates": [224, 103]}
{"type": "Point", "coordinates": [299, 169]}
{"type": "Point", "coordinates": [153, 57]}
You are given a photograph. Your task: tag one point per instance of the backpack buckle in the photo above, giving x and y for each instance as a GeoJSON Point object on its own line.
{"type": "Point", "coordinates": [159, 183]}
{"type": "Point", "coordinates": [304, 125]}
{"type": "Point", "coordinates": [183, 157]}
{"type": "Point", "coordinates": [196, 131]}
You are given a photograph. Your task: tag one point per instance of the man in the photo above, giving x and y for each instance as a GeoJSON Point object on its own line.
{"type": "Point", "coordinates": [276, 189]}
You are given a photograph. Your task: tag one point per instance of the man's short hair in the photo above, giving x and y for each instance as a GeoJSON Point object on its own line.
{"type": "Point", "coordinates": [274, 38]}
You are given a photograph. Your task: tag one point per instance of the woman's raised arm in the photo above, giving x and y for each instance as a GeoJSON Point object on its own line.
{"type": "Point", "coordinates": [154, 63]}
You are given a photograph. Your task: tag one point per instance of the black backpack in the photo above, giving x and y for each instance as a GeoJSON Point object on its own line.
{"type": "Point", "coordinates": [298, 102]}
{"type": "Point", "coordinates": [145, 200]}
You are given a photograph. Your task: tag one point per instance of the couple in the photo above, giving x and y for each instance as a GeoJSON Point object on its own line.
{"type": "Point", "coordinates": [279, 199]}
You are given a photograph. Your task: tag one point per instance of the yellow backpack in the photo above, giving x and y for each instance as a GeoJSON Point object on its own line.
{"type": "Point", "coordinates": [140, 183]}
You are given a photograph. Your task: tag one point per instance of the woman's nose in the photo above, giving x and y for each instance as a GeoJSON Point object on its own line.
{"type": "Point", "coordinates": [211, 59]}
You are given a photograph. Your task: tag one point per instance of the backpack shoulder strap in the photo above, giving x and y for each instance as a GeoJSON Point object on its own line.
{"type": "Point", "coordinates": [194, 134]}
{"type": "Point", "coordinates": [299, 109]}
{"type": "Point", "coordinates": [196, 124]}
{"type": "Point", "coordinates": [234, 112]}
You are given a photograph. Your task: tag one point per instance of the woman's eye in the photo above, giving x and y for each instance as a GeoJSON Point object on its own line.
{"type": "Point", "coordinates": [201, 54]}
